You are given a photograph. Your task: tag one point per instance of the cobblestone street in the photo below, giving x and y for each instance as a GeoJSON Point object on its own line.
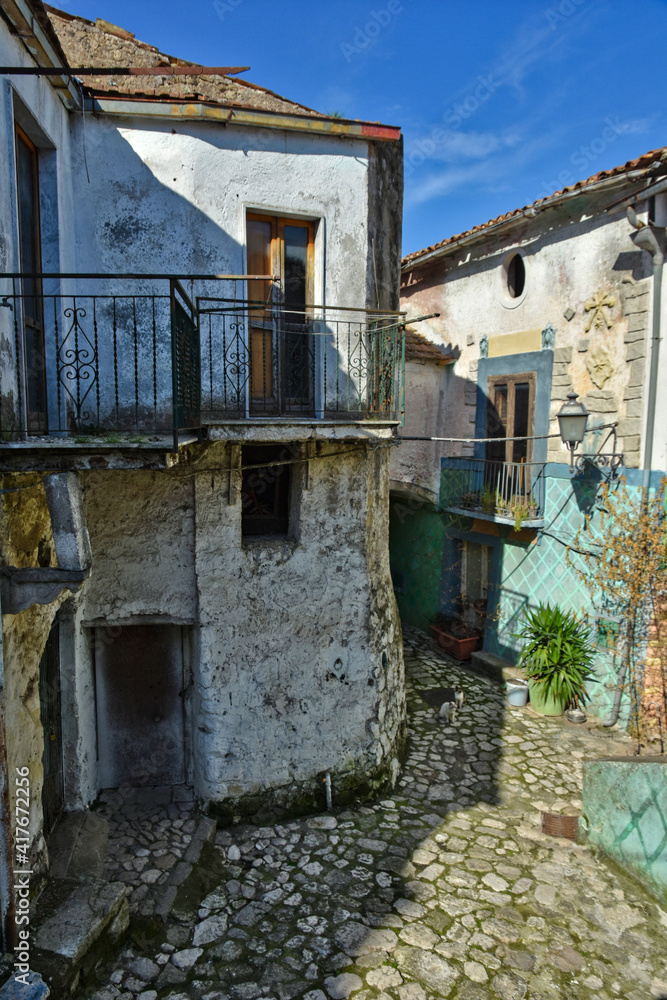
{"type": "Point", "coordinates": [446, 889]}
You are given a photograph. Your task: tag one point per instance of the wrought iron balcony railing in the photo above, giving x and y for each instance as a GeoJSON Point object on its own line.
{"type": "Point", "coordinates": [326, 363]}
{"type": "Point", "coordinates": [157, 354]}
{"type": "Point", "coordinates": [508, 492]}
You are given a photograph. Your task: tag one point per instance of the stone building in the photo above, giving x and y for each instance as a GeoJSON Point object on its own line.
{"type": "Point", "coordinates": [548, 299]}
{"type": "Point", "coordinates": [195, 572]}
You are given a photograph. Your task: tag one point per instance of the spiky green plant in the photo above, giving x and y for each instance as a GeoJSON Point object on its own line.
{"type": "Point", "coordinates": [557, 654]}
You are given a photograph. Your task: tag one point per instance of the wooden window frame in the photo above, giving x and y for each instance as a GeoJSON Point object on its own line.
{"type": "Point", "coordinates": [278, 223]}
{"type": "Point", "coordinates": [510, 381]}
{"type": "Point", "coordinates": [267, 370]}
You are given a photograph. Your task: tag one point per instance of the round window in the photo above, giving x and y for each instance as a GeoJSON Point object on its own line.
{"type": "Point", "coordinates": [516, 276]}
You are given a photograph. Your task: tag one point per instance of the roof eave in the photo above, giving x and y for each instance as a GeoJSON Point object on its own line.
{"type": "Point", "coordinates": [42, 43]}
{"type": "Point", "coordinates": [527, 213]}
{"type": "Point", "coordinates": [125, 105]}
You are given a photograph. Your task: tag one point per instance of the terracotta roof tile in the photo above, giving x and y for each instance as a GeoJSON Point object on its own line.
{"type": "Point", "coordinates": [419, 348]}
{"type": "Point", "coordinates": [657, 157]}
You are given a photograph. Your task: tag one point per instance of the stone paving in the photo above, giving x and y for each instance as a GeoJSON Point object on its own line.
{"type": "Point", "coordinates": [448, 889]}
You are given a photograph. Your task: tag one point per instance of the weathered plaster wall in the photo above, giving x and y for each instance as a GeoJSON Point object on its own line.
{"type": "Point", "coordinates": [297, 659]}
{"type": "Point", "coordinates": [572, 255]}
{"type": "Point", "coordinates": [141, 527]}
{"type": "Point", "coordinates": [427, 387]}
{"type": "Point", "coordinates": [79, 726]}
{"type": "Point", "coordinates": [300, 668]}
{"type": "Point", "coordinates": [416, 544]}
{"type": "Point", "coordinates": [157, 201]}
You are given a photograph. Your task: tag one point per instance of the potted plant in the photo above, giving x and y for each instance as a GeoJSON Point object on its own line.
{"type": "Point", "coordinates": [455, 636]}
{"type": "Point", "coordinates": [556, 658]}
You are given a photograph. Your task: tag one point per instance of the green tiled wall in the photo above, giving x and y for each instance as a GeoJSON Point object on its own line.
{"type": "Point", "coordinates": [625, 814]}
{"type": "Point", "coordinates": [525, 574]}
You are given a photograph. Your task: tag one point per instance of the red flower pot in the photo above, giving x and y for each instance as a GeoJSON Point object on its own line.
{"type": "Point", "coordinates": [459, 648]}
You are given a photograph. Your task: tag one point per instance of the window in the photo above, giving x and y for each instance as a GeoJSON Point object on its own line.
{"type": "Point", "coordinates": [31, 263]}
{"type": "Point", "coordinates": [265, 491]}
{"type": "Point", "coordinates": [510, 413]}
{"type": "Point", "coordinates": [516, 276]}
{"type": "Point", "coordinates": [282, 360]}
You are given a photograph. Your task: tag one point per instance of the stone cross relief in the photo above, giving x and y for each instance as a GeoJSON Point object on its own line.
{"type": "Point", "coordinates": [600, 366]}
{"type": "Point", "coordinates": [596, 307]}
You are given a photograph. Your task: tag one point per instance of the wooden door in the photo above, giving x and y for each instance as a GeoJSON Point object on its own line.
{"type": "Point", "coordinates": [140, 693]}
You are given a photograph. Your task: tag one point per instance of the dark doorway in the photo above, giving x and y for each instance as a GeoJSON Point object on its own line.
{"type": "Point", "coordinates": [50, 714]}
{"type": "Point", "coordinates": [27, 183]}
{"type": "Point", "coordinates": [140, 692]}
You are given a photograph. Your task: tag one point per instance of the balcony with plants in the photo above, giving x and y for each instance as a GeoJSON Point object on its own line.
{"type": "Point", "coordinates": [505, 492]}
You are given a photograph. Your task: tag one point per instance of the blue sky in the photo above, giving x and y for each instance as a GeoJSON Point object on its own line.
{"type": "Point", "coordinates": [500, 102]}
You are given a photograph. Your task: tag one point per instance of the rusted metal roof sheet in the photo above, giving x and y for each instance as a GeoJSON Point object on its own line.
{"type": "Point", "coordinates": [654, 160]}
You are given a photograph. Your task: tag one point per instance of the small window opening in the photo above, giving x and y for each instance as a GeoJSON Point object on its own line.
{"type": "Point", "coordinates": [516, 276]}
{"type": "Point", "coordinates": [265, 491]}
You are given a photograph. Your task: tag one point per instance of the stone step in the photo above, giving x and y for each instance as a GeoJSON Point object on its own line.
{"type": "Point", "coordinates": [77, 925]}
{"type": "Point", "coordinates": [493, 666]}
{"type": "Point", "coordinates": [78, 846]}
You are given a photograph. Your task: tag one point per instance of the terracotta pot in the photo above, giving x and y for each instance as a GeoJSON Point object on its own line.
{"type": "Point", "coordinates": [460, 649]}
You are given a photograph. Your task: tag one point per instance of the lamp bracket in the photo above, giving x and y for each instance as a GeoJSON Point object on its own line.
{"type": "Point", "coordinates": [602, 459]}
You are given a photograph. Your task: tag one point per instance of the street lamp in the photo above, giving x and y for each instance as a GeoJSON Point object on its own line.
{"type": "Point", "coordinates": [572, 420]}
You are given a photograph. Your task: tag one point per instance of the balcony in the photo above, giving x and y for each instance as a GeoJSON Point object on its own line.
{"type": "Point", "coordinates": [503, 492]}
{"type": "Point", "coordinates": [130, 358]}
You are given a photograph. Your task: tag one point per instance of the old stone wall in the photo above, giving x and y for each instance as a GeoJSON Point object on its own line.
{"type": "Point", "coordinates": [26, 541]}
{"type": "Point", "coordinates": [297, 661]}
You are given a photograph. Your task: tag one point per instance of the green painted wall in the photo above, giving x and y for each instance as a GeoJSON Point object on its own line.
{"type": "Point", "coordinates": [416, 542]}
{"type": "Point", "coordinates": [625, 814]}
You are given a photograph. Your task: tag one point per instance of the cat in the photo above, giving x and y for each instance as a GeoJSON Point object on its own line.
{"type": "Point", "coordinates": [447, 712]}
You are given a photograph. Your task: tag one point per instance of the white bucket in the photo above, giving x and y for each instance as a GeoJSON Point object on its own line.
{"type": "Point", "coordinates": [517, 692]}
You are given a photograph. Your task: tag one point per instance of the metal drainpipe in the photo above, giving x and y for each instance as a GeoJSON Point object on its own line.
{"type": "Point", "coordinates": [646, 239]}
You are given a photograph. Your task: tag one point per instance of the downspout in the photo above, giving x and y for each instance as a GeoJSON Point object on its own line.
{"type": "Point", "coordinates": [645, 239]}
